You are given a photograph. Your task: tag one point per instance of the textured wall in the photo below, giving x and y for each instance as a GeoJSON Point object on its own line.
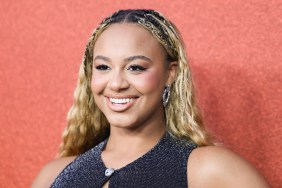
{"type": "Point", "coordinates": [234, 49]}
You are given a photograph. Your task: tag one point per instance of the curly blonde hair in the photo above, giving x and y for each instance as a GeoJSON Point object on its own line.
{"type": "Point", "coordinates": [86, 124]}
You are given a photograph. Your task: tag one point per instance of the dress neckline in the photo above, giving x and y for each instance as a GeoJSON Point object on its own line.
{"type": "Point", "coordinates": [131, 164]}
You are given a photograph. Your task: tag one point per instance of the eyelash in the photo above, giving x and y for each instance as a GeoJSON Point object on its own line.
{"type": "Point", "coordinates": [102, 67]}
{"type": "Point", "coordinates": [136, 68]}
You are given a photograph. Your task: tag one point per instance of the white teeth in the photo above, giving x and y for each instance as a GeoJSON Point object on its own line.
{"type": "Point", "coordinates": [121, 101]}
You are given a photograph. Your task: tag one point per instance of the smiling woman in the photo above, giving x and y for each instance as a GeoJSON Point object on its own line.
{"type": "Point", "coordinates": [129, 87]}
{"type": "Point", "coordinates": [134, 122]}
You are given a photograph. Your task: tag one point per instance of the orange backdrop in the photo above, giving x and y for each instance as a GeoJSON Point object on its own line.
{"type": "Point", "coordinates": [234, 49]}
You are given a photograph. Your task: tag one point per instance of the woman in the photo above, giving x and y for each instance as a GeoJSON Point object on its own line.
{"type": "Point", "coordinates": [134, 122]}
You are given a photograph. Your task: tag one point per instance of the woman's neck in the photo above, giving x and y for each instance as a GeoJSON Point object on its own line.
{"type": "Point", "coordinates": [126, 140]}
{"type": "Point", "coordinates": [125, 146]}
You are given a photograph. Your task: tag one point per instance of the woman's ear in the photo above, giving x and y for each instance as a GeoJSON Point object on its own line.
{"type": "Point", "coordinates": [172, 70]}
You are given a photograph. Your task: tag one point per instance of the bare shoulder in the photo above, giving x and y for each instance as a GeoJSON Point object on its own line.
{"type": "Point", "coordinates": [216, 166]}
{"type": "Point", "coordinates": [50, 171]}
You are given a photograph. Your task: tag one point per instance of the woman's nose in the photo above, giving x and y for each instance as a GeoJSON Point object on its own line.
{"type": "Point", "coordinates": [118, 81]}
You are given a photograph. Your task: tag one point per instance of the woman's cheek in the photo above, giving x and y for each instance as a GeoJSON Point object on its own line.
{"type": "Point", "coordinates": [149, 82]}
{"type": "Point", "coordinates": [98, 83]}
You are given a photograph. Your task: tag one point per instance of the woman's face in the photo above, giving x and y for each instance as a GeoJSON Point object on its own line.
{"type": "Point", "coordinates": [129, 76]}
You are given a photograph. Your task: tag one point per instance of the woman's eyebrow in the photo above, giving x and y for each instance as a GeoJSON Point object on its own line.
{"type": "Point", "coordinates": [102, 58]}
{"type": "Point", "coordinates": [132, 58]}
{"type": "Point", "coordinates": [128, 59]}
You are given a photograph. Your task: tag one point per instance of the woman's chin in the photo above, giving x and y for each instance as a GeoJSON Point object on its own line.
{"type": "Point", "coordinates": [123, 124]}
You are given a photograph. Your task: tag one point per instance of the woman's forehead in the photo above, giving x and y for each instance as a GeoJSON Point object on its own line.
{"type": "Point", "coordinates": [127, 36]}
{"type": "Point", "coordinates": [121, 31]}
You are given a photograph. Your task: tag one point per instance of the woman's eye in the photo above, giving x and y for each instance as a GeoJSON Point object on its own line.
{"type": "Point", "coordinates": [102, 67]}
{"type": "Point", "coordinates": [136, 68]}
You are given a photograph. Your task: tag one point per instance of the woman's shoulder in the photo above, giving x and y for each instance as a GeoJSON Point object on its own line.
{"type": "Point", "coordinates": [50, 171]}
{"type": "Point", "coordinates": [217, 166]}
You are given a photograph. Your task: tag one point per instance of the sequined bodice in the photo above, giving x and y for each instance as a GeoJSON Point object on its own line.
{"type": "Point", "coordinates": [165, 165]}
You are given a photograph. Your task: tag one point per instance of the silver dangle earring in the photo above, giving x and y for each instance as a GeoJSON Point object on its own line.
{"type": "Point", "coordinates": [166, 95]}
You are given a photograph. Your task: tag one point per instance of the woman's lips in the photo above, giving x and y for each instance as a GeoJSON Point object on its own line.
{"type": "Point", "coordinates": [121, 103]}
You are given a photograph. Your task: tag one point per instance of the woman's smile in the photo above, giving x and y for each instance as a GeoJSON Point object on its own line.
{"type": "Point", "coordinates": [120, 104]}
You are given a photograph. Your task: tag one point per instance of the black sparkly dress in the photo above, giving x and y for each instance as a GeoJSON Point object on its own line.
{"type": "Point", "coordinates": [165, 165]}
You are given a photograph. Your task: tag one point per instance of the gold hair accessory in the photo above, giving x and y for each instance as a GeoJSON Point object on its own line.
{"type": "Point", "coordinates": [163, 37]}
